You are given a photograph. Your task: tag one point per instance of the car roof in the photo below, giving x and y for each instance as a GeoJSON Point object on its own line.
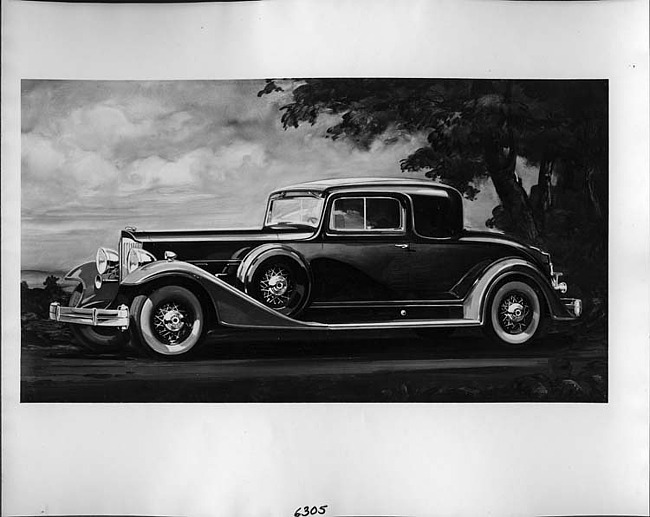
{"type": "Point", "coordinates": [346, 183]}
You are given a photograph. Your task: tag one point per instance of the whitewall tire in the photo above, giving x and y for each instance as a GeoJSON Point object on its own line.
{"type": "Point", "coordinates": [514, 314]}
{"type": "Point", "coordinates": [169, 322]}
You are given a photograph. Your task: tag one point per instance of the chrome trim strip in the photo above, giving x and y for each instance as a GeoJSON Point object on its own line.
{"type": "Point", "coordinates": [226, 262]}
{"type": "Point", "coordinates": [126, 245]}
{"type": "Point", "coordinates": [389, 303]}
{"type": "Point", "coordinates": [216, 237]}
{"type": "Point", "coordinates": [95, 317]}
{"type": "Point", "coordinates": [407, 324]}
{"type": "Point", "coordinates": [411, 324]}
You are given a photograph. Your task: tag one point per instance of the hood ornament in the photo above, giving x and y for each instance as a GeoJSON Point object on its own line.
{"type": "Point", "coordinates": [130, 228]}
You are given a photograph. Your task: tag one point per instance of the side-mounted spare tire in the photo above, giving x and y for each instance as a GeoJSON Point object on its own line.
{"type": "Point", "coordinates": [168, 322]}
{"type": "Point", "coordinates": [98, 340]}
{"type": "Point", "coordinates": [281, 283]}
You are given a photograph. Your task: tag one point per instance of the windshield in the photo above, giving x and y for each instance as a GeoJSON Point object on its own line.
{"type": "Point", "coordinates": [295, 211]}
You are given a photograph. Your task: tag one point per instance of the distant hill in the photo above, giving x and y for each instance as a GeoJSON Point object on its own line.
{"type": "Point", "coordinates": [35, 278]}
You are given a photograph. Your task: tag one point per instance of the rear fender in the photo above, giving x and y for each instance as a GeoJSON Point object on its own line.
{"type": "Point", "coordinates": [475, 304]}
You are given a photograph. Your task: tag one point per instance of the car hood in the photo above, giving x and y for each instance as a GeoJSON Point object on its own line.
{"type": "Point", "coordinates": [222, 235]}
{"type": "Point", "coordinates": [214, 246]}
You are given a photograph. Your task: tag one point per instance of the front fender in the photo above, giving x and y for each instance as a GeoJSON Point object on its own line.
{"type": "Point", "coordinates": [475, 303]}
{"type": "Point", "coordinates": [84, 274]}
{"type": "Point", "coordinates": [232, 306]}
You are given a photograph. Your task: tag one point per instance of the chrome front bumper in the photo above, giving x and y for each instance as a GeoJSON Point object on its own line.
{"type": "Point", "coordinates": [96, 317]}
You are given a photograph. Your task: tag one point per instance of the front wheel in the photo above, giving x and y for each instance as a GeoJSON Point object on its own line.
{"type": "Point", "coordinates": [514, 314]}
{"type": "Point", "coordinates": [169, 322]}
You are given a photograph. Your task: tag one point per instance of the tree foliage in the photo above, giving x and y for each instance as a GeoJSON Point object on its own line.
{"type": "Point", "coordinates": [37, 301]}
{"type": "Point", "coordinates": [474, 129]}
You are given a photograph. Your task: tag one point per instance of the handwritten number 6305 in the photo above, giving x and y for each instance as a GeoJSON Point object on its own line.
{"type": "Point", "coordinates": [304, 511]}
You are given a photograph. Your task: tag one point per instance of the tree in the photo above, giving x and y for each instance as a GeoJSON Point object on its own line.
{"type": "Point", "coordinates": [474, 128]}
{"type": "Point", "coordinates": [53, 290]}
{"type": "Point", "coordinates": [51, 283]}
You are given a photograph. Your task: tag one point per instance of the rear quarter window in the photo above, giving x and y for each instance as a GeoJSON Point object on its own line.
{"type": "Point", "coordinates": [434, 216]}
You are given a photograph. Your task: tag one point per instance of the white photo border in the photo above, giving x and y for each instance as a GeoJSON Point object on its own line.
{"type": "Point", "coordinates": [360, 459]}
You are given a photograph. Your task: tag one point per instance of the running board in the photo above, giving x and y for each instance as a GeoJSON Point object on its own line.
{"type": "Point", "coordinates": [384, 325]}
{"type": "Point", "coordinates": [456, 323]}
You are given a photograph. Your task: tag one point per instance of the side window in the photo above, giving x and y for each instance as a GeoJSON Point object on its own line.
{"type": "Point", "coordinates": [432, 216]}
{"type": "Point", "coordinates": [348, 214]}
{"type": "Point", "coordinates": [367, 214]}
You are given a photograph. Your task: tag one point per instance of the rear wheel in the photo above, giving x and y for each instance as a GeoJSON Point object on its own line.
{"type": "Point", "coordinates": [95, 339]}
{"type": "Point", "coordinates": [514, 316]}
{"type": "Point", "coordinates": [169, 322]}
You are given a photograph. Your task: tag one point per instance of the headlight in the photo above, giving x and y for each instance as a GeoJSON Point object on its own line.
{"type": "Point", "coordinates": [136, 258]}
{"type": "Point", "coordinates": [106, 259]}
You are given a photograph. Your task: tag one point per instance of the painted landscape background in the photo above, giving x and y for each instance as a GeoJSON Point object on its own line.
{"type": "Point", "coordinates": [530, 157]}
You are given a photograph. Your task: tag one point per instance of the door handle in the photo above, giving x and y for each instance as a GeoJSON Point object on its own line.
{"type": "Point", "coordinates": [403, 246]}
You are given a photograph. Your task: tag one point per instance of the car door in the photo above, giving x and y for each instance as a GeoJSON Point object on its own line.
{"type": "Point", "coordinates": [365, 249]}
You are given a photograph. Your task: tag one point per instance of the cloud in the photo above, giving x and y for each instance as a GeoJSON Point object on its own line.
{"type": "Point", "coordinates": [98, 155]}
{"type": "Point", "coordinates": [66, 171]}
{"type": "Point", "coordinates": [40, 157]}
{"type": "Point", "coordinates": [101, 128]}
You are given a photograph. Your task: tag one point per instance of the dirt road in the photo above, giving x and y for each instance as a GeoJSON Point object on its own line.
{"type": "Point", "coordinates": [363, 367]}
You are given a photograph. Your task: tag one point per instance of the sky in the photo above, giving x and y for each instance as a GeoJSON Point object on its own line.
{"type": "Point", "coordinates": [100, 155]}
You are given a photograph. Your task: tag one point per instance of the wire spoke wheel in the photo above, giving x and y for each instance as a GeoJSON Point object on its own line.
{"type": "Point", "coordinates": [172, 322]}
{"type": "Point", "coordinates": [276, 286]}
{"type": "Point", "coordinates": [168, 322]}
{"type": "Point", "coordinates": [281, 284]}
{"type": "Point", "coordinates": [515, 314]}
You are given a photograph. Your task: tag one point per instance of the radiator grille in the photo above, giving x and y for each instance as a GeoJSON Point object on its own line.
{"type": "Point", "coordinates": [126, 245]}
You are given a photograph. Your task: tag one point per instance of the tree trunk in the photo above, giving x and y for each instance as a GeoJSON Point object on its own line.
{"type": "Point", "coordinates": [596, 185]}
{"type": "Point", "coordinates": [501, 167]}
{"type": "Point", "coordinates": [540, 195]}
